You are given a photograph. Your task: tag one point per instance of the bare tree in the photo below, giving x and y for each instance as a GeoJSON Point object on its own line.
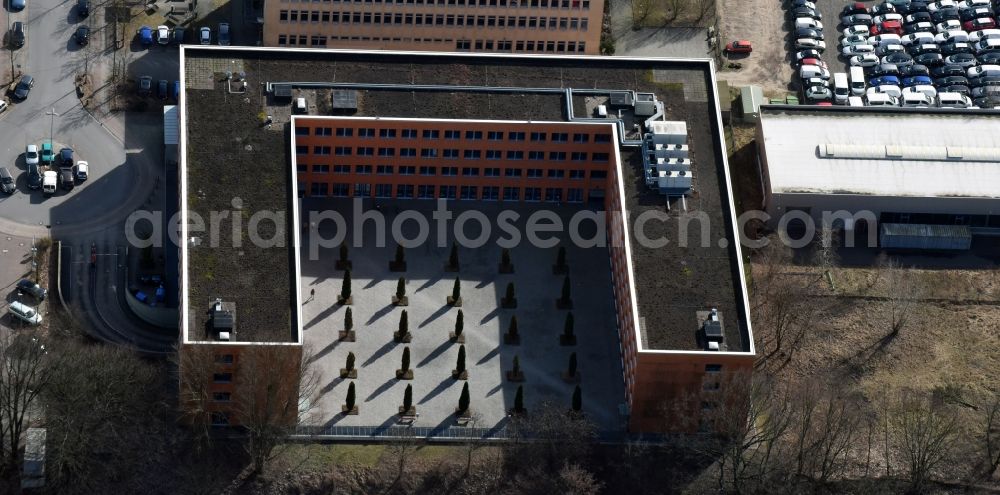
{"type": "Point", "coordinates": [195, 365]}
{"type": "Point", "coordinates": [578, 481]}
{"type": "Point", "coordinates": [827, 424]}
{"type": "Point", "coordinates": [780, 304]}
{"type": "Point", "coordinates": [23, 375]}
{"type": "Point", "coordinates": [901, 292]}
{"type": "Point", "coordinates": [401, 446]}
{"type": "Point", "coordinates": [269, 382]}
{"type": "Point", "coordinates": [990, 432]}
{"type": "Point", "coordinates": [924, 434]}
{"type": "Point", "coordinates": [550, 437]}
{"type": "Point", "coordinates": [640, 12]}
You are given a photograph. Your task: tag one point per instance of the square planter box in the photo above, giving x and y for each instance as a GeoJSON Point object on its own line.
{"type": "Point", "coordinates": [522, 413]}
{"type": "Point", "coordinates": [348, 374]}
{"type": "Point", "coordinates": [345, 302]}
{"type": "Point", "coordinates": [458, 339]}
{"type": "Point", "coordinates": [571, 379]}
{"type": "Point", "coordinates": [397, 267]}
{"type": "Point", "coordinates": [506, 268]}
{"type": "Point", "coordinates": [564, 340]}
{"type": "Point", "coordinates": [346, 336]}
{"type": "Point", "coordinates": [463, 416]}
{"type": "Point", "coordinates": [412, 411]}
{"type": "Point", "coordinates": [404, 376]}
{"type": "Point", "coordinates": [512, 339]}
{"type": "Point", "coordinates": [560, 304]}
{"type": "Point", "coordinates": [401, 301]}
{"type": "Point", "coordinates": [344, 265]}
{"type": "Point", "coordinates": [404, 338]}
{"type": "Point", "coordinates": [511, 377]}
{"type": "Point", "coordinates": [511, 304]}
{"type": "Point", "coordinates": [455, 303]}
{"type": "Point", "coordinates": [460, 376]}
{"type": "Point", "coordinates": [349, 412]}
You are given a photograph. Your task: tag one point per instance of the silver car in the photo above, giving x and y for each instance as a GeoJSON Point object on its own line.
{"type": "Point", "coordinates": [205, 35]}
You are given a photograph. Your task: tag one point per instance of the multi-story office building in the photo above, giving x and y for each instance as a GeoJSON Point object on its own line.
{"type": "Point", "coordinates": [487, 128]}
{"type": "Point", "coordinates": [526, 26]}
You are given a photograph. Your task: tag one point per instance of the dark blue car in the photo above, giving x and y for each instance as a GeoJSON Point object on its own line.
{"type": "Point", "coordinates": [880, 81]}
{"type": "Point", "coordinates": [177, 90]}
{"type": "Point", "coordinates": [146, 35]}
{"type": "Point", "coordinates": [915, 80]}
{"type": "Point", "coordinates": [17, 5]}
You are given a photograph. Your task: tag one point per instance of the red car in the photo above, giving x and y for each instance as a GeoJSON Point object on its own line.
{"type": "Point", "coordinates": [741, 46]}
{"type": "Point", "coordinates": [894, 27]}
{"type": "Point", "coordinates": [979, 24]}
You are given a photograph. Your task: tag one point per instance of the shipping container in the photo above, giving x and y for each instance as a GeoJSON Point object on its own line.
{"type": "Point", "coordinates": [924, 237]}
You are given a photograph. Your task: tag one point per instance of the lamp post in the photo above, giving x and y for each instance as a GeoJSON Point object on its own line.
{"type": "Point", "coordinates": [52, 117]}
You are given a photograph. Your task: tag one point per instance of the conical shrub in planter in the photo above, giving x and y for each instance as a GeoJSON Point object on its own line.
{"type": "Point", "coordinates": [459, 334]}
{"type": "Point", "coordinates": [519, 401]}
{"type": "Point", "coordinates": [398, 263]}
{"type": "Point", "coordinates": [400, 298]}
{"type": "Point", "coordinates": [343, 263]}
{"type": "Point", "coordinates": [565, 301]}
{"type": "Point", "coordinates": [402, 334]}
{"type": "Point", "coordinates": [404, 372]}
{"type": "Point", "coordinates": [568, 336]}
{"type": "Point", "coordinates": [460, 372]}
{"type": "Point", "coordinates": [463, 409]}
{"type": "Point", "coordinates": [452, 265]}
{"type": "Point", "coordinates": [571, 374]}
{"type": "Point", "coordinates": [509, 299]}
{"type": "Point", "coordinates": [345, 290]}
{"type": "Point", "coordinates": [515, 374]}
{"type": "Point", "coordinates": [349, 371]}
{"type": "Point", "coordinates": [347, 334]}
{"type": "Point", "coordinates": [560, 268]}
{"type": "Point", "coordinates": [408, 409]}
{"type": "Point", "coordinates": [513, 336]}
{"type": "Point", "coordinates": [505, 264]}
{"type": "Point", "coordinates": [577, 402]}
{"type": "Point", "coordinates": [350, 407]}
{"type": "Point", "coordinates": [455, 299]}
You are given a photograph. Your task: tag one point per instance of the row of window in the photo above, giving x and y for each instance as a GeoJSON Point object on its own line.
{"type": "Point", "coordinates": [452, 134]}
{"type": "Point", "coordinates": [515, 173]}
{"type": "Point", "coordinates": [453, 153]}
{"type": "Point", "coordinates": [462, 45]}
{"type": "Point", "coordinates": [410, 191]}
{"type": "Point", "coordinates": [554, 4]}
{"type": "Point", "coordinates": [433, 19]}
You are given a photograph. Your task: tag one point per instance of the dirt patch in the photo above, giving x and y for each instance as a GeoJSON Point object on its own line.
{"type": "Point", "coordinates": [677, 13]}
{"type": "Point", "coordinates": [762, 22]}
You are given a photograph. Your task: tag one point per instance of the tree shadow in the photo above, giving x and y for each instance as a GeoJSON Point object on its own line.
{"type": "Point", "coordinates": [490, 355]}
{"type": "Point", "coordinates": [441, 387]}
{"type": "Point", "coordinates": [486, 282]}
{"type": "Point", "coordinates": [380, 352]}
{"type": "Point", "coordinates": [437, 314]}
{"type": "Point", "coordinates": [382, 388]}
{"type": "Point", "coordinates": [323, 352]}
{"type": "Point", "coordinates": [490, 316]}
{"type": "Point", "coordinates": [380, 313]}
{"type": "Point", "coordinates": [330, 386]}
{"type": "Point", "coordinates": [430, 282]}
{"type": "Point", "coordinates": [436, 352]}
{"type": "Point", "coordinates": [495, 389]}
{"type": "Point", "coordinates": [322, 316]}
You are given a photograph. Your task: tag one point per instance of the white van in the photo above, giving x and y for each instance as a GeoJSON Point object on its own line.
{"type": "Point", "coordinates": [983, 70]}
{"type": "Point", "coordinates": [875, 99]}
{"type": "Point", "coordinates": [855, 101]}
{"type": "Point", "coordinates": [926, 89]}
{"type": "Point", "coordinates": [887, 89]}
{"type": "Point", "coordinates": [24, 312]}
{"type": "Point", "coordinates": [953, 100]}
{"type": "Point", "coordinates": [857, 81]}
{"type": "Point", "coordinates": [49, 181]}
{"type": "Point", "coordinates": [810, 71]}
{"type": "Point", "coordinates": [841, 89]}
{"type": "Point", "coordinates": [987, 44]}
{"type": "Point", "coordinates": [915, 99]}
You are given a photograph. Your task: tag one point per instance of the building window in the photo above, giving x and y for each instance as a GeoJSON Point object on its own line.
{"type": "Point", "coordinates": [341, 169]}
{"type": "Point", "coordinates": [428, 153]}
{"type": "Point", "coordinates": [301, 131]}
{"type": "Point", "coordinates": [224, 358]}
{"type": "Point", "coordinates": [470, 172]}
{"type": "Point", "coordinates": [532, 194]}
{"type": "Point", "coordinates": [491, 172]}
{"type": "Point", "coordinates": [428, 170]}
{"type": "Point", "coordinates": [602, 138]}
{"type": "Point", "coordinates": [449, 171]}
{"type": "Point", "coordinates": [453, 134]}
{"type": "Point", "coordinates": [491, 193]}
{"type": "Point", "coordinates": [538, 136]}
{"type": "Point", "coordinates": [469, 192]}
{"type": "Point", "coordinates": [222, 377]}
{"type": "Point", "coordinates": [579, 156]}
{"type": "Point", "coordinates": [409, 133]}
{"type": "Point", "coordinates": [511, 193]}
{"type": "Point", "coordinates": [494, 136]}
{"type": "Point", "coordinates": [556, 173]}
{"type": "Point", "coordinates": [407, 152]}
{"type": "Point", "coordinates": [301, 150]}
{"type": "Point", "coordinates": [450, 153]}
{"type": "Point", "coordinates": [366, 133]}
{"type": "Point", "coordinates": [534, 173]}
{"type": "Point", "coordinates": [387, 152]}
{"type": "Point", "coordinates": [384, 170]}
{"type": "Point", "coordinates": [431, 133]}
{"type": "Point", "coordinates": [598, 174]}
{"type": "Point", "coordinates": [345, 132]}
{"type": "Point", "coordinates": [713, 368]}
{"type": "Point", "coordinates": [574, 195]}
{"type": "Point", "coordinates": [387, 133]}
{"type": "Point", "coordinates": [512, 172]}
{"type": "Point", "coordinates": [448, 192]}
{"type": "Point", "coordinates": [342, 150]}
{"type": "Point", "coordinates": [577, 174]}
{"type": "Point", "coordinates": [341, 190]}
{"type": "Point", "coordinates": [557, 155]}
{"type": "Point", "coordinates": [319, 189]}
{"type": "Point", "coordinates": [404, 191]}
{"type": "Point", "coordinates": [553, 194]}
{"type": "Point", "coordinates": [301, 168]}
{"type": "Point", "coordinates": [363, 169]}
{"type": "Point", "coordinates": [425, 192]}
{"type": "Point", "coordinates": [407, 170]}
{"type": "Point", "coordinates": [366, 151]}
{"type": "Point", "coordinates": [473, 134]}
{"type": "Point", "coordinates": [321, 169]}
{"type": "Point", "coordinates": [494, 154]}
{"type": "Point", "coordinates": [600, 157]}
{"type": "Point", "coordinates": [383, 190]}
{"type": "Point", "coordinates": [472, 154]}
{"type": "Point", "coordinates": [324, 131]}
{"type": "Point", "coordinates": [220, 418]}
{"type": "Point", "coordinates": [560, 137]}
{"type": "Point", "coordinates": [515, 136]}
{"type": "Point", "coordinates": [536, 155]}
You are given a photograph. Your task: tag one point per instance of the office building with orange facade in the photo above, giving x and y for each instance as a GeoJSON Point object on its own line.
{"type": "Point", "coordinates": [511, 26]}
{"type": "Point", "coordinates": [501, 128]}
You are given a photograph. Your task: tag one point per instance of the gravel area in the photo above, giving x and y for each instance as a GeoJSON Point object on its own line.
{"type": "Point", "coordinates": [763, 23]}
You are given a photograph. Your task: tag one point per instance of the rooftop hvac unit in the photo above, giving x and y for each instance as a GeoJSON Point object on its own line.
{"type": "Point", "coordinates": [645, 104]}
{"type": "Point", "coordinates": [345, 101]}
{"type": "Point", "coordinates": [670, 150]}
{"type": "Point", "coordinates": [673, 165]}
{"type": "Point", "coordinates": [677, 183]}
{"type": "Point", "coordinates": [622, 99]}
{"type": "Point", "coordinates": [224, 336]}
{"type": "Point", "coordinates": [223, 318]}
{"type": "Point", "coordinates": [713, 330]}
{"type": "Point", "coordinates": [282, 90]}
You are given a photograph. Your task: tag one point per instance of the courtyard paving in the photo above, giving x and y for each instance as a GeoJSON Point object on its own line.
{"type": "Point", "coordinates": [433, 355]}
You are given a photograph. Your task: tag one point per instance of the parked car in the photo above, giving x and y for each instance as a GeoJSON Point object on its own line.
{"type": "Point", "coordinates": [951, 81]}
{"type": "Point", "coordinates": [23, 87]}
{"type": "Point", "coordinates": [83, 8]}
{"type": "Point", "coordinates": [948, 70]}
{"type": "Point", "coordinates": [50, 181]}
{"type": "Point", "coordinates": [179, 33]}
{"type": "Point", "coordinates": [810, 71]}
{"type": "Point", "coordinates": [957, 47]}
{"type": "Point", "coordinates": [854, 8]}
{"type": "Point", "coordinates": [888, 90]}
{"type": "Point", "coordinates": [81, 171]}
{"type": "Point", "coordinates": [739, 46]}
{"type": "Point", "coordinates": [929, 59]}
{"type": "Point", "coordinates": [808, 33]}
{"type": "Point", "coordinates": [900, 59]}
{"type": "Point", "coordinates": [915, 50]}
{"type": "Point", "coordinates": [177, 90]}
{"type": "Point", "coordinates": [852, 30]}
{"type": "Point", "coordinates": [914, 70]}
{"type": "Point", "coordinates": [891, 16]}
{"type": "Point", "coordinates": [31, 154]}
{"type": "Point", "coordinates": [66, 178]}
{"type": "Point", "coordinates": [857, 50]}
{"type": "Point", "coordinates": [881, 81]}
{"type": "Point", "coordinates": [804, 11]}
{"type": "Point", "coordinates": [979, 24]}
{"type": "Point", "coordinates": [145, 85]}
{"type": "Point", "coordinates": [962, 60]}
{"type": "Point", "coordinates": [885, 39]}
{"type": "Point", "coordinates": [948, 25]}
{"type": "Point", "coordinates": [987, 102]}
{"type": "Point", "coordinates": [987, 44]}
{"type": "Point", "coordinates": [884, 70]}
{"type": "Point", "coordinates": [804, 54]}
{"type": "Point", "coordinates": [161, 89]}
{"type": "Point", "coordinates": [864, 60]}
{"type": "Point", "coordinates": [989, 58]}
{"type": "Point", "coordinates": [47, 155]}
{"type": "Point", "coordinates": [224, 33]}
{"type": "Point", "coordinates": [82, 35]}
{"type": "Point", "coordinates": [882, 8]}
{"type": "Point", "coordinates": [944, 15]}
{"type": "Point", "coordinates": [918, 27]}
{"type": "Point", "coordinates": [975, 36]}
{"type": "Point", "coordinates": [24, 313]}
{"type": "Point", "coordinates": [925, 89]}
{"type": "Point", "coordinates": [34, 177]}
{"type": "Point", "coordinates": [983, 70]}
{"type": "Point", "coordinates": [808, 22]}
{"type": "Point", "coordinates": [804, 3]}
{"type": "Point", "coordinates": [162, 35]}
{"type": "Point", "coordinates": [974, 13]}
{"type": "Point", "coordinates": [66, 157]}
{"type": "Point", "coordinates": [884, 50]}
{"type": "Point", "coordinates": [145, 35]}
{"type": "Point", "coordinates": [856, 39]}
{"type": "Point", "coordinates": [16, 5]}
{"type": "Point", "coordinates": [886, 27]}
{"type": "Point", "coordinates": [3, 105]}
{"type": "Point", "coordinates": [952, 37]}
{"type": "Point", "coordinates": [941, 4]}
{"type": "Point", "coordinates": [31, 288]}
{"type": "Point", "coordinates": [981, 91]}
{"type": "Point", "coordinates": [856, 20]}
{"type": "Point", "coordinates": [810, 44]}
{"type": "Point", "coordinates": [916, 38]}
{"type": "Point", "coordinates": [17, 34]}
{"type": "Point", "coordinates": [984, 81]}
{"type": "Point", "coordinates": [917, 17]}
{"type": "Point", "coordinates": [917, 6]}
{"type": "Point", "coordinates": [916, 81]}
{"type": "Point", "coordinates": [7, 181]}
{"type": "Point", "coordinates": [205, 36]}
{"type": "Point", "coordinates": [958, 88]}
{"type": "Point", "coordinates": [818, 93]}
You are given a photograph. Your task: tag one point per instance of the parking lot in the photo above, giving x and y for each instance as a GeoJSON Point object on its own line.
{"type": "Point", "coordinates": [919, 66]}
